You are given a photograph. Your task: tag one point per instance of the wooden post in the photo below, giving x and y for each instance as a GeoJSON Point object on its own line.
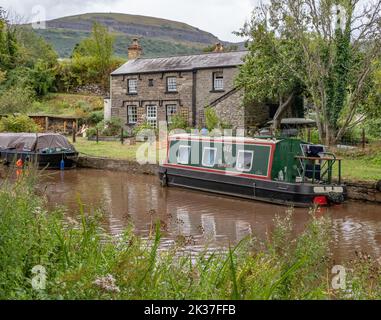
{"type": "Point", "coordinates": [74, 134]}
{"type": "Point", "coordinates": [97, 135]}
{"type": "Point", "coordinates": [363, 138]}
{"type": "Point", "coordinates": [46, 124]}
{"type": "Point", "coordinates": [122, 135]}
{"type": "Point", "coordinates": [65, 126]}
{"type": "Point", "coordinates": [309, 135]}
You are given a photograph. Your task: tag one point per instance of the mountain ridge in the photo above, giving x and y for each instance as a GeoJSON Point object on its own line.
{"type": "Point", "coordinates": [158, 36]}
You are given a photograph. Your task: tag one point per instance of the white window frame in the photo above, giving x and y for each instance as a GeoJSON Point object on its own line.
{"type": "Point", "coordinates": [150, 118]}
{"type": "Point", "coordinates": [173, 86]}
{"type": "Point", "coordinates": [132, 114]}
{"type": "Point", "coordinates": [251, 163]}
{"type": "Point", "coordinates": [132, 89]}
{"type": "Point", "coordinates": [178, 155]}
{"type": "Point", "coordinates": [203, 157]}
{"type": "Point", "coordinates": [218, 81]}
{"type": "Point", "coordinates": [170, 115]}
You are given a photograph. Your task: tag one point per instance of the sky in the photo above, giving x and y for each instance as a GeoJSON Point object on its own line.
{"type": "Point", "coordinates": [220, 17]}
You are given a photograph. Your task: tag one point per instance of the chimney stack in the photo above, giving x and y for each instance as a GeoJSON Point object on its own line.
{"type": "Point", "coordinates": [219, 47]}
{"type": "Point", "coordinates": [134, 50]}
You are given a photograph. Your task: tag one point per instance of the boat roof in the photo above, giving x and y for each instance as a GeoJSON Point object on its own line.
{"type": "Point", "coordinates": [225, 138]}
{"type": "Point", "coordinates": [33, 141]}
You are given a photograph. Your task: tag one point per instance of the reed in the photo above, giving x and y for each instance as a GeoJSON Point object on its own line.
{"type": "Point", "coordinates": [83, 262]}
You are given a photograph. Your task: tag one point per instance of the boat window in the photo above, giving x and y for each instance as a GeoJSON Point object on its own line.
{"type": "Point", "coordinates": [209, 157]}
{"type": "Point", "coordinates": [244, 160]}
{"type": "Point", "coordinates": [183, 155]}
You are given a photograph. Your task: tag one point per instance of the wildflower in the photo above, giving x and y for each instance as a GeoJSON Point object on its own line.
{"type": "Point", "coordinates": [107, 283]}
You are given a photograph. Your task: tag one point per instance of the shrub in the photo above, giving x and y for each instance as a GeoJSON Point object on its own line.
{"type": "Point", "coordinates": [211, 119]}
{"type": "Point", "coordinates": [107, 128]}
{"type": "Point", "coordinates": [16, 100]}
{"type": "Point", "coordinates": [84, 106]}
{"type": "Point", "coordinates": [95, 117]}
{"type": "Point", "coordinates": [178, 122]}
{"type": "Point", "coordinates": [21, 123]}
{"type": "Point", "coordinates": [42, 78]}
{"type": "Point", "coordinates": [91, 132]}
{"type": "Point", "coordinates": [3, 76]}
{"type": "Point", "coordinates": [142, 127]}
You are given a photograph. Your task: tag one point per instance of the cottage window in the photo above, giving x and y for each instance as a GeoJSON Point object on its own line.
{"type": "Point", "coordinates": [132, 114]}
{"type": "Point", "coordinates": [218, 81]}
{"type": "Point", "coordinates": [171, 84]}
{"type": "Point", "coordinates": [183, 155]}
{"type": "Point", "coordinates": [244, 160]}
{"type": "Point", "coordinates": [152, 116]}
{"type": "Point", "coordinates": [209, 157]}
{"type": "Point", "coordinates": [150, 82]}
{"type": "Point", "coordinates": [171, 111]}
{"type": "Point", "coordinates": [133, 86]}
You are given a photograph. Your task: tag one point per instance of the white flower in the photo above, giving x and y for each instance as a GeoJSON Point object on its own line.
{"type": "Point", "coordinates": [107, 283]}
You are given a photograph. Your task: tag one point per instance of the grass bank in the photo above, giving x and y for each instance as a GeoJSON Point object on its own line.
{"type": "Point", "coordinates": [66, 104]}
{"type": "Point", "coordinates": [107, 149]}
{"type": "Point", "coordinates": [361, 164]}
{"type": "Point", "coordinates": [110, 149]}
{"type": "Point", "coordinates": [83, 262]}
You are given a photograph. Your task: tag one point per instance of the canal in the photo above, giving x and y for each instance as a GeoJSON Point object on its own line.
{"type": "Point", "coordinates": [201, 218]}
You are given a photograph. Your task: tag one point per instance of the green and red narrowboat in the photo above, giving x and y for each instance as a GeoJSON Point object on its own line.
{"type": "Point", "coordinates": [282, 171]}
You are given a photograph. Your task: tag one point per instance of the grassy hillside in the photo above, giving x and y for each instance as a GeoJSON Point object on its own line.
{"type": "Point", "coordinates": [158, 36]}
{"type": "Point", "coordinates": [64, 40]}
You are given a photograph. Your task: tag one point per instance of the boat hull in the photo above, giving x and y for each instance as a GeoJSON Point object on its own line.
{"type": "Point", "coordinates": [295, 194]}
{"type": "Point", "coordinates": [43, 160]}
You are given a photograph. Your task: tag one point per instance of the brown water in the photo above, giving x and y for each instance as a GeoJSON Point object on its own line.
{"type": "Point", "coordinates": [202, 218]}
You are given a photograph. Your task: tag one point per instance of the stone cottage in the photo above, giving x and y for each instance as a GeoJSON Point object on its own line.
{"type": "Point", "coordinates": [154, 90]}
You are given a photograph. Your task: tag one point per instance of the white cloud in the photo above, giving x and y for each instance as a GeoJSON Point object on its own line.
{"type": "Point", "coordinates": [220, 17]}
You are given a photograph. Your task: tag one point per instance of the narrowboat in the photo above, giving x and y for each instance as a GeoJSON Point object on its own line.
{"type": "Point", "coordinates": [47, 150]}
{"type": "Point", "coordinates": [282, 171]}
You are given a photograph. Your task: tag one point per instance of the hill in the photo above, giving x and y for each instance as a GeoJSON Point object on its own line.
{"type": "Point", "coordinates": [158, 36]}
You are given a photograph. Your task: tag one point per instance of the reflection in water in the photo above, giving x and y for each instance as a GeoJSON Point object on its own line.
{"type": "Point", "coordinates": [208, 218]}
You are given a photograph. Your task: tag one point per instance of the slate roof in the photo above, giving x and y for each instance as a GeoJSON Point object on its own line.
{"type": "Point", "coordinates": [182, 63]}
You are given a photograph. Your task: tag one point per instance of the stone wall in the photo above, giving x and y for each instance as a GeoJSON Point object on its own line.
{"type": "Point", "coordinates": [231, 110]}
{"type": "Point", "coordinates": [155, 95]}
{"type": "Point", "coordinates": [117, 165]}
{"type": "Point", "coordinates": [204, 88]}
{"type": "Point", "coordinates": [367, 191]}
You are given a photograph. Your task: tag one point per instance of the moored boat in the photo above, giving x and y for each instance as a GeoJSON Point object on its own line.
{"type": "Point", "coordinates": [47, 150]}
{"type": "Point", "coordinates": [283, 171]}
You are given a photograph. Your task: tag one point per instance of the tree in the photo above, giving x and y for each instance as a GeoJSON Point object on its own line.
{"type": "Point", "coordinates": [42, 78]}
{"type": "Point", "coordinates": [335, 44]}
{"type": "Point", "coordinates": [98, 47]}
{"type": "Point", "coordinates": [33, 48]}
{"type": "Point", "coordinates": [265, 76]}
{"type": "Point", "coordinates": [27, 61]}
{"type": "Point", "coordinates": [8, 42]}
